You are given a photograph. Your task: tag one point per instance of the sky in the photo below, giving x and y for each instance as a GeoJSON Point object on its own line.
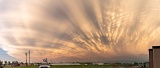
{"type": "Point", "coordinates": [5, 57]}
{"type": "Point", "coordinates": [79, 30]}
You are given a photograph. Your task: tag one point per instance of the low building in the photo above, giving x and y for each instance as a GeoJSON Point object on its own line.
{"type": "Point", "coordinates": [154, 57]}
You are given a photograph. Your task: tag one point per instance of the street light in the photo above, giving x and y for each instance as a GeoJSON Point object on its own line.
{"type": "Point", "coordinates": [29, 56]}
{"type": "Point", "coordinates": [26, 58]}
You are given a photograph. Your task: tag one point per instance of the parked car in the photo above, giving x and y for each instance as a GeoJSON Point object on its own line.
{"type": "Point", "coordinates": [44, 65]}
{"type": "Point", "coordinates": [15, 63]}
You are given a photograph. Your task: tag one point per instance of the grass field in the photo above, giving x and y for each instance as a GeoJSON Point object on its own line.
{"type": "Point", "coordinates": [73, 66]}
{"type": "Point", "coordinates": [63, 66]}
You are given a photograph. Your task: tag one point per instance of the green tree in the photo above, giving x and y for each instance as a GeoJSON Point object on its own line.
{"type": "Point", "coordinates": [1, 62]}
{"type": "Point", "coordinates": [5, 62]}
{"type": "Point", "coordinates": [9, 63]}
{"type": "Point", "coordinates": [135, 63]}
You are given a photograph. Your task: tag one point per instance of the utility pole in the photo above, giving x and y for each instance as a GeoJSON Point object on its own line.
{"type": "Point", "coordinates": [29, 56]}
{"type": "Point", "coordinates": [26, 58]}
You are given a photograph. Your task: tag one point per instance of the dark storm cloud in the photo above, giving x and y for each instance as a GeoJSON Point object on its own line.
{"type": "Point", "coordinates": [11, 39]}
{"type": "Point", "coordinates": [90, 13]}
{"type": "Point", "coordinates": [29, 41]}
{"type": "Point", "coordinates": [61, 13]}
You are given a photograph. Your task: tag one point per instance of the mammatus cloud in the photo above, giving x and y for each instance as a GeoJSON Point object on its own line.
{"type": "Point", "coordinates": [78, 30]}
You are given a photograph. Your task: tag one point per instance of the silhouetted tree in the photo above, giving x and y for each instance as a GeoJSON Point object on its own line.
{"type": "Point", "coordinates": [1, 62]}
{"type": "Point", "coordinates": [9, 63]}
{"type": "Point", "coordinates": [5, 62]}
{"type": "Point", "coordinates": [135, 63]}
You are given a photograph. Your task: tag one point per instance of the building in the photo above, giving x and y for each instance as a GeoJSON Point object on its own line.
{"type": "Point", "coordinates": [154, 57]}
{"type": "Point", "coordinates": [150, 58]}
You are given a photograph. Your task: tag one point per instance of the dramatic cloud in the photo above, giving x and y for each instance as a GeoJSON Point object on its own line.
{"type": "Point", "coordinates": [79, 30]}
